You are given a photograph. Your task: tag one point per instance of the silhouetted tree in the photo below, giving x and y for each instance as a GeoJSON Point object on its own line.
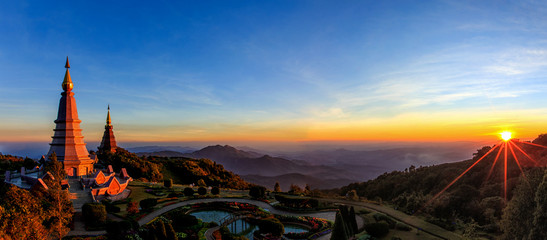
{"type": "Point", "coordinates": [168, 183]}
{"type": "Point", "coordinates": [202, 191]}
{"type": "Point", "coordinates": [188, 192]}
{"type": "Point", "coordinates": [215, 191]}
{"type": "Point", "coordinates": [352, 220]}
{"type": "Point", "coordinates": [55, 167]}
{"type": "Point", "coordinates": [29, 163]}
{"type": "Point", "coordinates": [257, 192]}
{"type": "Point", "coordinates": [295, 189]}
{"type": "Point", "coordinates": [540, 214]}
{"type": "Point", "coordinates": [170, 232]}
{"type": "Point", "coordinates": [277, 187]}
{"type": "Point", "coordinates": [161, 232]}
{"type": "Point", "coordinates": [339, 231]}
{"type": "Point", "coordinates": [201, 183]}
{"type": "Point", "coordinates": [517, 219]}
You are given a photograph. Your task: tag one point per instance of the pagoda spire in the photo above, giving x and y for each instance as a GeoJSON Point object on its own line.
{"type": "Point", "coordinates": [108, 144]}
{"type": "Point", "coordinates": [108, 121]}
{"type": "Point", "coordinates": [67, 83]}
{"type": "Point", "coordinates": [67, 140]}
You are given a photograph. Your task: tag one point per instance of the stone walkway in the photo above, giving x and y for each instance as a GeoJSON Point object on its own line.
{"type": "Point", "coordinates": [79, 196]}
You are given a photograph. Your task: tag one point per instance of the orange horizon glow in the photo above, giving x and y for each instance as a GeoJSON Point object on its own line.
{"type": "Point", "coordinates": [346, 134]}
{"type": "Point", "coordinates": [400, 129]}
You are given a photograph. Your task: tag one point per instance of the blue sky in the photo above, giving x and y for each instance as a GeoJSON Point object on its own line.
{"type": "Point", "coordinates": [277, 70]}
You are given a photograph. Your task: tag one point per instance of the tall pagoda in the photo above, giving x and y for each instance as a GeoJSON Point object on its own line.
{"type": "Point", "coordinates": [68, 142]}
{"type": "Point", "coordinates": [108, 144]}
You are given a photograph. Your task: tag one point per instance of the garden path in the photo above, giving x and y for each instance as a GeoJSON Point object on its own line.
{"type": "Point", "coordinates": [411, 220]}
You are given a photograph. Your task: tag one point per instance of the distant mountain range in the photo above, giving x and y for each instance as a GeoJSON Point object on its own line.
{"type": "Point", "coordinates": [160, 149]}
{"type": "Point", "coordinates": [322, 169]}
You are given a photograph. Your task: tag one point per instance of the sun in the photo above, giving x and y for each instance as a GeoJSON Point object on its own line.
{"type": "Point", "coordinates": [506, 135]}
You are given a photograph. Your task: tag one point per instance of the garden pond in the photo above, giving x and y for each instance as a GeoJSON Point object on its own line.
{"type": "Point", "coordinates": [240, 226]}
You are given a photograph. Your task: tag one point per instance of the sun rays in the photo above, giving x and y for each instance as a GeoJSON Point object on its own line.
{"type": "Point", "coordinates": [509, 147]}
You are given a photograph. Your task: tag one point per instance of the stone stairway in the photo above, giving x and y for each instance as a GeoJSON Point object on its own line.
{"type": "Point", "coordinates": [78, 196]}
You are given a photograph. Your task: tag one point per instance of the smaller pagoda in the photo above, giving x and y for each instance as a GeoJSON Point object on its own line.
{"type": "Point", "coordinates": [108, 144]}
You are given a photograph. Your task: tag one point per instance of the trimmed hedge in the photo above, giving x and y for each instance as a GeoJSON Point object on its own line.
{"type": "Point", "coordinates": [94, 214]}
{"type": "Point", "coordinates": [402, 226]}
{"type": "Point", "coordinates": [148, 204]}
{"type": "Point", "coordinates": [202, 191]}
{"type": "Point", "coordinates": [215, 191]}
{"type": "Point", "coordinates": [377, 230]}
{"type": "Point", "coordinates": [188, 192]}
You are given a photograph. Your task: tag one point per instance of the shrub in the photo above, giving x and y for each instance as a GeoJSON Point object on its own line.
{"type": "Point", "coordinates": [202, 191]}
{"type": "Point", "coordinates": [94, 214]}
{"type": "Point", "coordinates": [132, 207]}
{"type": "Point", "coordinates": [112, 208]}
{"type": "Point", "coordinates": [201, 183]}
{"type": "Point", "coordinates": [296, 202]}
{"type": "Point", "coordinates": [215, 191]}
{"type": "Point", "coordinates": [118, 230]}
{"type": "Point", "coordinates": [188, 192]}
{"type": "Point", "coordinates": [257, 191]}
{"type": "Point", "coordinates": [148, 204]}
{"type": "Point", "coordinates": [377, 230]}
{"type": "Point", "coordinates": [382, 217]}
{"type": "Point", "coordinates": [402, 226]}
{"type": "Point", "coordinates": [271, 225]}
{"type": "Point", "coordinates": [168, 183]}
{"type": "Point", "coordinates": [182, 222]}
{"type": "Point", "coordinates": [364, 211]}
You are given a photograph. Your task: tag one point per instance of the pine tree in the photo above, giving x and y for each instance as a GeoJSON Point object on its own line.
{"type": "Point", "coordinates": [353, 221]}
{"type": "Point", "coordinates": [339, 232]}
{"type": "Point", "coordinates": [55, 167]}
{"type": "Point", "coordinates": [160, 230]}
{"type": "Point", "coordinates": [171, 234]}
{"type": "Point", "coordinates": [347, 221]}
{"type": "Point", "coordinates": [60, 210]}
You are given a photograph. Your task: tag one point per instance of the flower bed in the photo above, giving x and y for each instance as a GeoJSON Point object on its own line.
{"type": "Point", "coordinates": [318, 226]}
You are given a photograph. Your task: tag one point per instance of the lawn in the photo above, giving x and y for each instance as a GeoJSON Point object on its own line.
{"type": "Point", "coordinates": [367, 215]}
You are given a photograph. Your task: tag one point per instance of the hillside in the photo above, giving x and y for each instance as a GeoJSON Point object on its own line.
{"type": "Point", "coordinates": [188, 171]}
{"type": "Point", "coordinates": [164, 153]}
{"type": "Point", "coordinates": [264, 169]}
{"type": "Point", "coordinates": [182, 170]}
{"type": "Point", "coordinates": [286, 180]}
{"type": "Point", "coordinates": [474, 197]}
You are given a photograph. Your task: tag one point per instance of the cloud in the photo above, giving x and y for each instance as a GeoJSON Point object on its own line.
{"type": "Point", "coordinates": [330, 113]}
{"type": "Point", "coordinates": [518, 61]}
